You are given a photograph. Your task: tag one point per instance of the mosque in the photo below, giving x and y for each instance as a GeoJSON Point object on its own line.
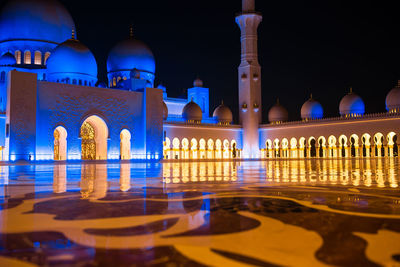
{"type": "Point", "coordinates": [52, 106]}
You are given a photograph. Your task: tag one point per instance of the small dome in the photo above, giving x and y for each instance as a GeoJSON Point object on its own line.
{"type": "Point", "coordinates": [198, 83]}
{"type": "Point", "coordinates": [46, 21]}
{"type": "Point", "coordinates": [162, 87]}
{"type": "Point", "coordinates": [278, 113]}
{"type": "Point", "coordinates": [192, 112]}
{"type": "Point", "coordinates": [393, 99]}
{"type": "Point", "coordinates": [7, 60]}
{"type": "Point", "coordinates": [131, 54]}
{"type": "Point", "coordinates": [312, 110]}
{"type": "Point", "coordinates": [351, 104]}
{"type": "Point", "coordinates": [165, 111]}
{"type": "Point", "coordinates": [223, 114]}
{"type": "Point", "coordinates": [72, 59]}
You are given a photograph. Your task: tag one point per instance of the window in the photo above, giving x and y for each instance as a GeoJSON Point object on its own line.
{"type": "Point", "coordinates": [28, 58]}
{"type": "Point", "coordinates": [38, 58]}
{"type": "Point", "coordinates": [74, 81]}
{"type": "Point", "coordinates": [3, 76]}
{"type": "Point", "coordinates": [18, 56]}
{"type": "Point", "coordinates": [46, 57]}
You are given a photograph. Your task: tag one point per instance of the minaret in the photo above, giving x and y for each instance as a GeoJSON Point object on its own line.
{"type": "Point", "coordinates": [249, 79]}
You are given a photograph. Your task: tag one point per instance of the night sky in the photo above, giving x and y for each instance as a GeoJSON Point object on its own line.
{"type": "Point", "coordinates": [318, 47]}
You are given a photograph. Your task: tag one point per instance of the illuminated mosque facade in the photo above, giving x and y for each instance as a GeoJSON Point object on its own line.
{"type": "Point", "coordinates": [52, 106]}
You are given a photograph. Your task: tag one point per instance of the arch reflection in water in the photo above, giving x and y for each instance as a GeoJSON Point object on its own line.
{"type": "Point", "coordinates": [93, 182]}
{"type": "Point", "coordinates": [380, 172]}
{"type": "Point", "coordinates": [186, 172]}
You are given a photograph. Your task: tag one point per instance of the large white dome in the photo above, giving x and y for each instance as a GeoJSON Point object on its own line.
{"type": "Point", "coordinates": [35, 20]}
{"type": "Point", "coordinates": [312, 110]}
{"type": "Point", "coordinates": [278, 113]}
{"type": "Point", "coordinates": [192, 112]}
{"type": "Point", "coordinates": [131, 54]}
{"type": "Point", "coordinates": [223, 114]}
{"type": "Point", "coordinates": [72, 60]}
{"type": "Point", "coordinates": [351, 105]}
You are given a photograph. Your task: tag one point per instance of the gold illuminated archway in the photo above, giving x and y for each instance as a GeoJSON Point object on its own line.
{"type": "Point", "coordinates": [88, 142]}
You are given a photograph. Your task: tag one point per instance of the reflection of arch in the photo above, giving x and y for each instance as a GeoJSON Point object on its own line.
{"type": "Point", "coordinates": [125, 145]}
{"type": "Point", "coordinates": [60, 143]}
{"type": "Point", "coordinates": [94, 134]}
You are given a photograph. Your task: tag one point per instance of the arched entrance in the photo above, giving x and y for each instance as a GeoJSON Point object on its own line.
{"type": "Point", "coordinates": [60, 143]}
{"type": "Point", "coordinates": [313, 147]}
{"type": "Point", "coordinates": [125, 145]}
{"type": "Point", "coordinates": [94, 134]}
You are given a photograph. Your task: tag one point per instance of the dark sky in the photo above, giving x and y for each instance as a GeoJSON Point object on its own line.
{"type": "Point", "coordinates": [319, 47]}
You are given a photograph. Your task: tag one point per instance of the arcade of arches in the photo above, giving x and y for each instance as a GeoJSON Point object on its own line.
{"type": "Point", "coordinates": [201, 149]}
{"type": "Point", "coordinates": [94, 135]}
{"type": "Point", "coordinates": [376, 145]}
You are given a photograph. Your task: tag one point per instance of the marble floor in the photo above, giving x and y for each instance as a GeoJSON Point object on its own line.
{"type": "Point", "coordinates": [252, 213]}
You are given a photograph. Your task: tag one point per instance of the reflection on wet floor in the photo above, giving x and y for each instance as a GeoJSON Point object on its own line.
{"type": "Point", "coordinates": [365, 172]}
{"type": "Point", "coordinates": [220, 213]}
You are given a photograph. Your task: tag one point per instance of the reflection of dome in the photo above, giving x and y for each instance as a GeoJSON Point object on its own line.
{"type": "Point", "coordinates": [223, 114]}
{"type": "Point", "coordinates": [192, 112]}
{"type": "Point", "coordinates": [165, 111]}
{"type": "Point", "coordinates": [198, 83]}
{"type": "Point", "coordinates": [393, 99]}
{"type": "Point", "coordinates": [311, 109]}
{"type": "Point", "coordinates": [42, 20]}
{"type": "Point", "coordinates": [278, 113]}
{"type": "Point", "coordinates": [7, 60]}
{"type": "Point", "coordinates": [131, 54]}
{"type": "Point", "coordinates": [72, 60]}
{"type": "Point", "coordinates": [351, 104]}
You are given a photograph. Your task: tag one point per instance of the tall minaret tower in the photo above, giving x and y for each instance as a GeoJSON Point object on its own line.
{"type": "Point", "coordinates": [249, 79]}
